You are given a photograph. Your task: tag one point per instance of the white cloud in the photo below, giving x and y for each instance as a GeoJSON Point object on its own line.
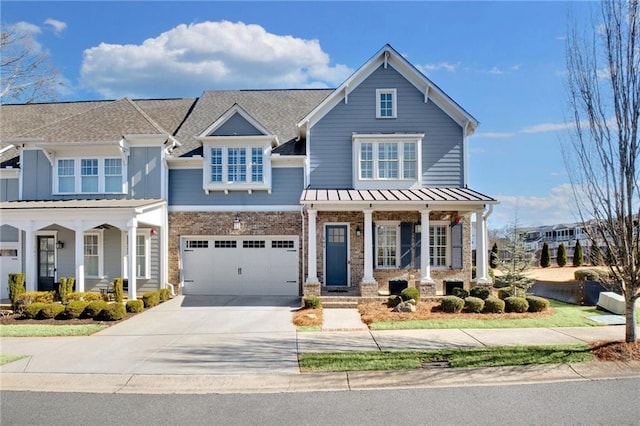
{"type": "Point", "coordinates": [446, 66]}
{"type": "Point", "coordinates": [494, 135]}
{"type": "Point", "coordinates": [495, 70]}
{"type": "Point", "coordinates": [547, 127]}
{"type": "Point", "coordinates": [24, 27]}
{"type": "Point", "coordinates": [516, 67]}
{"type": "Point", "coordinates": [57, 26]}
{"type": "Point", "coordinates": [28, 33]}
{"type": "Point", "coordinates": [208, 55]}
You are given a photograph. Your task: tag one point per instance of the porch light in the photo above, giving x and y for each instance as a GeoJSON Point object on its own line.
{"type": "Point", "coordinates": [59, 244]}
{"type": "Point", "coordinates": [236, 224]}
{"type": "Point", "coordinates": [153, 231]}
{"type": "Point", "coordinates": [358, 230]}
{"type": "Point", "coordinates": [418, 227]}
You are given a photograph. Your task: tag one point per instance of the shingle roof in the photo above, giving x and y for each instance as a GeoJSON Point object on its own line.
{"type": "Point", "coordinates": [422, 195]}
{"type": "Point", "coordinates": [276, 110]}
{"type": "Point", "coordinates": [168, 113]}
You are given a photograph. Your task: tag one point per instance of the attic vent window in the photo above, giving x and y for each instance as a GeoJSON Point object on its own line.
{"type": "Point", "coordinates": [386, 103]}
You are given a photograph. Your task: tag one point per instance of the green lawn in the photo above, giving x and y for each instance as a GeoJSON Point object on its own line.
{"type": "Point", "coordinates": [6, 359]}
{"type": "Point", "coordinates": [565, 315]}
{"type": "Point", "coordinates": [459, 358]}
{"type": "Point", "coordinates": [308, 328]}
{"type": "Point", "coordinates": [45, 330]}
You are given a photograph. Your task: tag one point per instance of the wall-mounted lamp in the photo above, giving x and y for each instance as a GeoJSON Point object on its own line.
{"type": "Point", "coordinates": [456, 220]}
{"type": "Point", "coordinates": [153, 231]}
{"type": "Point", "coordinates": [59, 244]}
{"type": "Point", "coordinates": [358, 230]}
{"type": "Point", "coordinates": [237, 224]}
{"type": "Point", "coordinates": [418, 227]}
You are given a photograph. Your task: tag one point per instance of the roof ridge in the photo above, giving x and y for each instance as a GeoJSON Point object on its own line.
{"type": "Point", "coordinates": [146, 116]}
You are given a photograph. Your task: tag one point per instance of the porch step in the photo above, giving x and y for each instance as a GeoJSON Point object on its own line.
{"type": "Point", "coordinates": [339, 302]}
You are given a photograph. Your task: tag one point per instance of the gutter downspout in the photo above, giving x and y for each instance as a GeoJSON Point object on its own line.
{"type": "Point", "coordinates": [302, 250]}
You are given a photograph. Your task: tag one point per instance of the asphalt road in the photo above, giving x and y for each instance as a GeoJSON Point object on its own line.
{"type": "Point", "coordinates": [585, 402]}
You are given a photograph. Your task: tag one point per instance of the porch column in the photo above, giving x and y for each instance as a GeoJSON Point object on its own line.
{"type": "Point", "coordinates": [368, 246]}
{"type": "Point", "coordinates": [481, 247]}
{"type": "Point", "coordinates": [312, 256]}
{"type": "Point", "coordinates": [31, 273]}
{"type": "Point", "coordinates": [425, 266]}
{"type": "Point", "coordinates": [132, 228]}
{"type": "Point", "coordinates": [79, 230]}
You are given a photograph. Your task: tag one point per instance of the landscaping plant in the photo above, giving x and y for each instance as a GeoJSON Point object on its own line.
{"type": "Point", "coordinates": [410, 293]}
{"type": "Point", "coordinates": [117, 290]}
{"type": "Point", "coordinates": [16, 288]}
{"type": "Point", "coordinates": [545, 256]}
{"type": "Point", "coordinates": [452, 304]}
{"type": "Point", "coordinates": [516, 304]}
{"type": "Point", "coordinates": [562, 255]}
{"type": "Point", "coordinates": [135, 306]}
{"type": "Point", "coordinates": [515, 269]}
{"type": "Point", "coordinates": [577, 254]}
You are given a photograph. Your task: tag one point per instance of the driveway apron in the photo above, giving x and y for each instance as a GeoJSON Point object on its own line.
{"type": "Point", "coordinates": [186, 335]}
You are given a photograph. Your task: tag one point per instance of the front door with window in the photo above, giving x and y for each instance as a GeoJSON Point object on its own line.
{"type": "Point", "coordinates": [336, 255]}
{"type": "Point", "coordinates": [46, 262]}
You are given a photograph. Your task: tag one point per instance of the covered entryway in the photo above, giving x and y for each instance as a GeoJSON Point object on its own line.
{"type": "Point", "coordinates": [336, 255]}
{"type": "Point", "coordinates": [46, 262]}
{"type": "Point", "coordinates": [249, 265]}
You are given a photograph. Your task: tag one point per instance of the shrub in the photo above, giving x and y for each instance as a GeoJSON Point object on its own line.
{"type": "Point", "coordinates": [493, 305]}
{"type": "Point", "coordinates": [135, 306]}
{"type": "Point", "coordinates": [505, 292]}
{"type": "Point", "coordinates": [90, 296]}
{"type": "Point", "coordinates": [545, 256]}
{"type": "Point", "coordinates": [537, 304]}
{"type": "Point", "coordinates": [117, 290]}
{"type": "Point", "coordinates": [75, 308]}
{"type": "Point", "coordinates": [590, 275]}
{"type": "Point", "coordinates": [578, 254]}
{"type": "Point", "coordinates": [516, 304]}
{"type": "Point", "coordinates": [562, 255]}
{"type": "Point", "coordinates": [113, 312]}
{"type": "Point", "coordinates": [452, 304]}
{"type": "Point", "coordinates": [151, 299]}
{"type": "Point", "coordinates": [94, 308]}
{"type": "Point", "coordinates": [460, 292]}
{"type": "Point", "coordinates": [494, 259]}
{"type": "Point", "coordinates": [410, 293]}
{"type": "Point", "coordinates": [480, 292]}
{"type": "Point", "coordinates": [394, 300]}
{"type": "Point", "coordinates": [16, 287]}
{"type": "Point", "coordinates": [32, 311]}
{"type": "Point", "coordinates": [311, 302]}
{"type": "Point", "coordinates": [37, 296]}
{"type": "Point", "coordinates": [52, 310]}
{"type": "Point", "coordinates": [165, 294]}
{"type": "Point", "coordinates": [66, 287]}
{"type": "Point", "coordinates": [473, 304]}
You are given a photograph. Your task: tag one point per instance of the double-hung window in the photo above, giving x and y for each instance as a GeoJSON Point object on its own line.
{"type": "Point", "coordinates": [438, 245]}
{"type": "Point", "coordinates": [387, 243]}
{"type": "Point", "coordinates": [386, 103]}
{"type": "Point", "coordinates": [387, 158]}
{"type": "Point", "coordinates": [142, 254]}
{"type": "Point", "coordinates": [93, 254]}
{"type": "Point", "coordinates": [89, 175]}
{"type": "Point", "coordinates": [236, 166]}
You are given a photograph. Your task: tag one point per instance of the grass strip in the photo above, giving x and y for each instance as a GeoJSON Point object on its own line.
{"type": "Point", "coordinates": [308, 328]}
{"type": "Point", "coordinates": [46, 330]}
{"type": "Point", "coordinates": [459, 358]}
{"type": "Point", "coordinates": [565, 315]}
{"type": "Point", "coordinates": [6, 359]}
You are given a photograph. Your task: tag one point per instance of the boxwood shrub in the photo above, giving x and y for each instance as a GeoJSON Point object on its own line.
{"type": "Point", "coordinates": [151, 299]}
{"type": "Point", "coordinates": [135, 306]}
{"type": "Point", "coordinates": [37, 296]}
{"type": "Point", "coordinates": [452, 304]}
{"type": "Point", "coordinates": [473, 304]}
{"type": "Point", "coordinates": [410, 293]}
{"type": "Point", "coordinates": [516, 304]}
{"type": "Point", "coordinates": [113, 312]}
{"type": "Point", "coordinates": [505, 292]}
{"type": "Point", "coordinates": [311, 302]}
{"type": "Point", "coordinates": [537, 304]}
{"type": "Point", "coordinates": [591, 275]}
{"type": "Point", "coordinates": [493, 305]}
{"type": "Point", "coordinates": [51, 310]}
{"type": "Point", "coordinates": [165, 294]}
{"type": "Point", "coordinates": [460, 292]}
{"type": "Point", "coordinates": [480, 292]}
{"type": "Point", "coordinates": [32, 310]}
{"type": "Point", "coordinates": [75, 308]}
{"type": "Point", "coordinates": [94, 308]}
{"type": "Point", "coordinates": [394, 300]}
{"type": "Point", "coordinates": [89, 296]}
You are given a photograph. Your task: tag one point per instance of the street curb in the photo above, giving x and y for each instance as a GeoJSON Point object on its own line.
{"type": "Point", "coordinates": [315, 382]}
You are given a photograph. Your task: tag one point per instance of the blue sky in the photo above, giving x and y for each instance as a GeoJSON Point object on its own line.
{"type": "Point", "coordinates": [502, 61]}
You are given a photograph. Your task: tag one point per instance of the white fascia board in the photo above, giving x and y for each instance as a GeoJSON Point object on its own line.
{"type": "Point", "coordinates": [235, 109]}
{"type": "Point", "coordinates": [146, 140]}
{"type": "Point", "coordinates": [387, 136]}
{"type": "Point", "coordinates": [235, 208]}
{"type": "Point", "coordinates": [185, 162]}
{"type": "Point", "coordinates": [279, 161]}
{"type": "Point", "coordinates": [24, 142]}
{"type": "Point", "coordinates": [239, 140]}
{"type": "Point", "coordinates": [9, 173]}
{"type": "Point", "coordinates": [6, 148]}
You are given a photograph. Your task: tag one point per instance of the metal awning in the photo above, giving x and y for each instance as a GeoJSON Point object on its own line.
{"type": "Point", "coordinates": [434, 195]}
{"type": "Point", "coordinates": [81, 204]}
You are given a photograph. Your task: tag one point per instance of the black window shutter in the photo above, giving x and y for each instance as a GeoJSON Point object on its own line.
{"type": "Point", "coordinates": [456, 246]}
{"type": "Point", "coordinates": [373, 243]}
{"type": "Point", "coordinates": [418, 249]}
{"type": "Point", "coordinates": [406, 229]}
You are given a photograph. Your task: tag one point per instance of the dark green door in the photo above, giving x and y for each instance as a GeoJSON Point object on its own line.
{"type": "Point", "coordinates": [336, 252]}
{"type": "Point", "coordinates": [46, 262]}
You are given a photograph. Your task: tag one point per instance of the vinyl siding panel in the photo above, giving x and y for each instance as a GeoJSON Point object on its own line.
{"type": "Point", "coordinates": [185, 188]}
{"type": "Point", "coordinates": [237, 125]}
{"type": "Point", "coordinates": [331, 138]}
{"type": "Point", "coordinates": [8, 234]}
{"type": "Point", "coordinates": [9, 189]}
{"type": "Point", "coordinates": [145, 172]}
{"type": "Point", "coordinates": [36, 176]}
{"type": "Point", "coordinates": [153, 282]}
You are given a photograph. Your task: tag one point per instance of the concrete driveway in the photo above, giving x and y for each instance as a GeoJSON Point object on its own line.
{"type": "Point", "coordinates": [186, 335]}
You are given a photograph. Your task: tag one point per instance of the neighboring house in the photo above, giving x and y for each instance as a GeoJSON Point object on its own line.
{"type": "Point", "coordinates": [256, 192]}
{"type": "Point", "coordinates": [567, 234]}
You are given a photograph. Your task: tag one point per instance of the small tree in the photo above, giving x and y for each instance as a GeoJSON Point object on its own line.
{"type": "Point", "coordinates": [562, 255]}
{"type": "Point", "coordinates": [577, 254]}
{"type": "Point", "coordinates": [516, 268]}
{"type": "Point", "coordinates": [117, 290]}
{"type": "Point", "coordinates": [16, 287]}
{"type": "Point", "coordinates": [545, 256]}
{"type": "Point", "coordinates": [493, 260]}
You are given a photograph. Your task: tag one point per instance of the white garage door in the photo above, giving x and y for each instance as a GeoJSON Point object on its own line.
{"type": "Point", "coordinates": [247, 265]}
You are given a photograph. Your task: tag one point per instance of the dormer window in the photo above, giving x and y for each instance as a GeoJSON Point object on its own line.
{"type": "Point", "coordinates": [386, 103]}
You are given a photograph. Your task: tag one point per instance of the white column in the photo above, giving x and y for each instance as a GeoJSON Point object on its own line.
{"type": "Point", "coordinates": [312, 256]}
{"type": "Point", "coordinates": [425, 266]}
{"type": "Point", "coordinates": [30, 273]}
{"type": "Point", "coordinates": [481, 247]}
{"type": "Point", "coordinates": [79, 230]}
{"type": "Point", "coordinates": [132, 228]}
{"type": "Point", "coordinates": [368, 247]}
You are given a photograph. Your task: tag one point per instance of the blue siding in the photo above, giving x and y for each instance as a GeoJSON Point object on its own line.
{"type": "Point", "coordinates": [9, 190]}
{"type": "Point", "coordinates": [331, 138]}
{"type": "Point", "coordinates": [36, 176]}
{"type": "Point", "coordinates": [237, 125]}
{"type": "Point", "coordinates": [145, 172]}
{"type": "Point", "coordinates": [185, 188]}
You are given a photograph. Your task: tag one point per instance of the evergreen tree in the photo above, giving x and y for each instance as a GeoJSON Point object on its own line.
{"type": "Point", "coordinates": [493, 260]}
{"type": "Point", "coordinates": [515, 270]}
{"type": "Point", "coordinates": [545, 256]}
{"type": "Point", "coordinates": [562, 255]}
{"type": "Point", "coordinates": [577, 254]}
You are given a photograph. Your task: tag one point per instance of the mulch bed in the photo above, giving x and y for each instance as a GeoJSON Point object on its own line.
{"type": "Point", "coordinates": [616, 351]}
{"type": "Point", "coordinates": [308, 317]}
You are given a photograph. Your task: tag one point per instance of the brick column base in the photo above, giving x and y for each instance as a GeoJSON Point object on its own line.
{"type": "Point", "coordinates": [482, 283]}
{"type": "Point", "coordinates": [368, 289]}
{"type": "Point", "coordinates": [311, 289]}
{"type": "Point", "coordinates": [426, 288]}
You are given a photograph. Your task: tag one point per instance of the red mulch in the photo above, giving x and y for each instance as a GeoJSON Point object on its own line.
{"type": "Point", "coordinates": [616, 351]}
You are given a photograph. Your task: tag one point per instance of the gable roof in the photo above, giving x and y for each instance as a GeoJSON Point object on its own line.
{"type": "Point", "coordinates": [389, 56]}
{"type": "Point", "coordinates": [235, 109]}
{"type": "Point", "coordinates": [277, 111]}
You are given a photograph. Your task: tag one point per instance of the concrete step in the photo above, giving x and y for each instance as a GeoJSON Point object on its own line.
{"type": "Point", "coordinates": [337, 304]}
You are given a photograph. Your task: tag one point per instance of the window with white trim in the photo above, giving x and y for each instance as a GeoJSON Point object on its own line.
{"type": "Point", "coordinates": [93, 254]}
{"type": "Point", "coordinates": [387, 245]}
{"type": "Point", "coordinates": [236, 167]}
{"type": "Point", "coordinates": [89, 176]}
{"type": "Point", "coordinates": [386, 160]}
{"type": "Point", "coordinates": [386, 103]}
{"type": "Point", "coordinates": [438, 245]}
{"type": "Point", "coordinates": [141, 256]}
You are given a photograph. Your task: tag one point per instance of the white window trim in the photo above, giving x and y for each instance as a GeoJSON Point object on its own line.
{"type": "Point", "coordinates": [100, 234]}
{"type": "Point", "coordinates": [146, 233]}
{"type": "Point", "coordinates": [77, 168]}
{"type": "Point", "coordinates": [396, 224]}
{"type": "Point", "coordinates": [447, 228]}
{"type": "Point", "coordinates": [394, 96]}
{"type": "Point", "coordinates": [386, 183]}
{"type": "Point", "coordinates": [225, 185]}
